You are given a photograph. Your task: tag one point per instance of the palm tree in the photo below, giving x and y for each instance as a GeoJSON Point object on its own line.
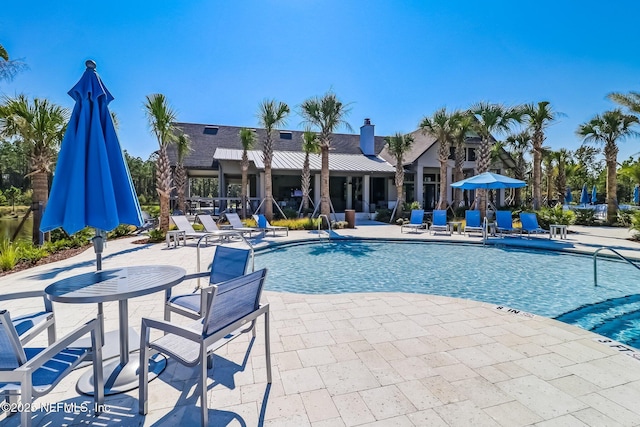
{"type": "Point", "coordinates": [271, 114]}
{"type": "Point", "coordinates": [519, 144]}
{"type": "Point", "coordinates": [398, 145]}
{"type": "Point", "coordinates": [183, 145]}
{"type": "Point", "coordinates": [441, 127]}
{"type": "Point", "coordinates": [609, 128]}
{"type": "Point", "coordinates": [248, 140]}
{"type": "Point", "coordinates": [630, 100]}
{"type": "Point", "coordinates": [310, 144]}
{"type": "Point", "coordinates": [462, 123]}
{"type": "Point", "coordinates": [538, 118]}
{"type": "Point", "coordinates": [161, 120]}
{"type": "Point", "coordinates": [9, 67]}
{"type": "Point", "coordinates": [562, 156]}
{"type": "Point", "coordinates": [490, 119]}
{"type": "Point", "coordinates": [548, 158]}
{"type": "Point", "coordinates": [327, 114]}
{"type": "Point", "coordinates": [39, 126]}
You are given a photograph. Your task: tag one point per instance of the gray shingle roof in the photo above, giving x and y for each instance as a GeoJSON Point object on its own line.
{"type": "Point", "coordinates": [293, 160]}
{"type": "Point", "coordinates": [205, 139]}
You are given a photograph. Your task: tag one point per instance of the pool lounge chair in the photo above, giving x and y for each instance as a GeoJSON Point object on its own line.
{"type": "Point", "coordinates": [183, 224]}
{"type": "Point", "coordinates": [472, 222]}
{"type": "Point", "coordinates": [227, 263]}
{"type": "Point", "coordinates": [264, 225]}
{"type": "Point", "coordinates": [148, 222]}
{"type": "Point", "coordinates": [237, 225]}
{"type": "Point", "coordinates": [439, 222]}
{"type": "Point", "coordinates": [530, 224]}
{"type": "Point", "coordinates": [416, 221]}
{"type": "Point", "coordinates": [207, 222]}
{"type": "Point", "coordinates": [504, 223]}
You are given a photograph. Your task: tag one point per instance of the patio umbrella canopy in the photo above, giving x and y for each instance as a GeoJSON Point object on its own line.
{"type": "Point", "coordinates": [489, 181]}
{"type": "Point", "coordinates": [584, 195]}
{"type": "Point", "coordinates": [92, 186]}
{"type": "Point", "coordinates": [568, 198]}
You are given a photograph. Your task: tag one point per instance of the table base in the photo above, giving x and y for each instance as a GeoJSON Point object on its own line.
{"type": "Point", "coordinates": [119, 379]}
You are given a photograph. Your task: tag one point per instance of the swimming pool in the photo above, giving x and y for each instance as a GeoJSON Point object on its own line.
{"type": "Point", "coordinates": [548, 283]}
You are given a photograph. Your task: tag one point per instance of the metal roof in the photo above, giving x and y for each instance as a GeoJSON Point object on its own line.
{"type": "Point", "coordinates": [293, 160]}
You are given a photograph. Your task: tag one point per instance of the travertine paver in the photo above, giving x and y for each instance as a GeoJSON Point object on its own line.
{"type": "Point", "coordinates": [366, 359]}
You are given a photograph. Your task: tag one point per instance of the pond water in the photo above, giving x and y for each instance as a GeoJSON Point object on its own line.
{"type": "Point", "coordinates": [8, 226]}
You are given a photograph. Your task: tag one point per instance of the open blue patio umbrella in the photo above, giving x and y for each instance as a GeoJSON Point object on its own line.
{"type": "Point", "coordinates": [594, 195]}
{"type": "Point", "coordinates": [636, 195]}
{"type": "Point", "coordinates": [490, 181]}
{"type": "Point", "coordinates": [568, 197]}
{"type": "Point", "coordinates": [92, 186]}
{"type": "Point", "coordinates": [584, 195]}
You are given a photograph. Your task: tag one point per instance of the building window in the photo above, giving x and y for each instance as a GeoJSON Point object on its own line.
{"type": "Point", "coordinates": [452, 153]}
{"type": "Point", "coordinates": [471, 154]}
{"type": "Point", "coordinates": [285, 135]}
{"type": "Point", "coordinates": [210, 130]}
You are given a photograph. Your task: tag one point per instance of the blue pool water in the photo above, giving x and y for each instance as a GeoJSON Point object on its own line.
{"type": "Point", "coordinates": [552, 284]}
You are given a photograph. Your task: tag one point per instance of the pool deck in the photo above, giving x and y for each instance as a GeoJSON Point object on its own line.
{"type": "Point", "coordinates": [381, 359]}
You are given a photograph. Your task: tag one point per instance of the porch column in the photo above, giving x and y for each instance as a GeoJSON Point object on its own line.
{"type": "Point", "coordinates": [349, 193]}
{"type": "Point", "coordinates": [418, 187]}
{"type": "Point", "coordinates": [260, 189]}
{"type": "Point", "coordinates": [366, 190]}
{"type": "Point", "coordinates": [449, 187]}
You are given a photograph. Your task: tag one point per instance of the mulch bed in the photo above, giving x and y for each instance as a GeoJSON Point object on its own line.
{"type": "Point", "coordinates": [57, 256]}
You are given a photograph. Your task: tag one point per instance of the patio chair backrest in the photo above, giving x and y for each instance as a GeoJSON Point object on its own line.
{"type": "Point", "coordinates": [11, 352]}
{"type": "Point", "coordinates": [182, 223]}
{"type": "Point", "coordinates": [504, 219]}
{"type": "Point", "coordinates": [472, 218]}
{"type": "Point", "coordinates": [207, 222]}
{"type": "Point", "coordinates": [417, 216]}
{"type": "Point", "coordinates": [261, 220]}
{"type": "Point", "coordinates": [529, 221]}
{"type": "Point", "coordinates": [228, 263]}
{"type": "Point", "coordinates": [234, 220]}
{"type": "Point", "coordinates": [232, 300]}
{"type": "Point", "coordinates": [439, 217]}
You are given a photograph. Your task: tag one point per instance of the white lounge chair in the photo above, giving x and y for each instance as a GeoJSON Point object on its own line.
{"type": "Point", "coordinates": [183, 224]}
{"type": "Point", "coordinates": [237, 225]}
{"type": "Point", "coordinates": [416, 221]}
{"type": "Point", "coordinates": [264, 225]}
{"type": "Point", "coordinates": [207, 222]}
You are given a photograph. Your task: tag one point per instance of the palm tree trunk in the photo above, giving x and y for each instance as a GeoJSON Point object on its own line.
{"type": "Point", "coordinates": [612, 188]}
{"type": "Point", "coordinates": [306, 182]}
{"type": "Point", "coordinates": [458, 173]}
{"type": "Point", "coordinates": [399, 189]}
{"type": "Point", "coordinates": [243, 193]}
{"type": "Point", "coordinates": [40, 182]}
{"type": "Point", "coordinates": [442, 203]}
{"type": "Point", "coordinates": [268, 189]}
{"type": "Point", "coordinates": [537, 171]}
{"type": "Point", "coordinates": [325, 207]}
{"type": "Point", "coordinates": [163, 185]}
{"type": "Point", "coordinates": [482, 165]}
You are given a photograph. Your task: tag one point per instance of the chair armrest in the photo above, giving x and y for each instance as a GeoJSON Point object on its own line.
{"type": "Point", "coordinates": [29, 294]}
{"type": "Point", "coordinates": [166, 327]}
{"type": "Point", "coordinates": [92, 326]}
{"type": "Point", "coordinates": [167, 293]}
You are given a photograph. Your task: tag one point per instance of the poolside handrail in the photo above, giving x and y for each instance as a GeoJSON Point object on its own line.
{"type": "Point", "coordinates": [320, 226]}
{"type": "Point", "coordinates": [595, 261]}
{"type": "Point", "coordinates": [222, 233]}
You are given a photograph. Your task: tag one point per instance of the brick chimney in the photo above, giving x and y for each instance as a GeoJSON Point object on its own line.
{"type": "Point", "coordinates": [366, 138]}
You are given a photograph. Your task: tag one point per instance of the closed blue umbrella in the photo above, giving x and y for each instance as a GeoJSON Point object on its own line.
{"type": "Point", "coordinates": [636, 195]}
{"type": "Point", "coordinates": [92, 186]}
{"type": "Point", "coordinates": [568, 198]}
{"type": "Point", "coordinates": [594, 195]}
{"type": "Point", "coordinates": [584, 195]}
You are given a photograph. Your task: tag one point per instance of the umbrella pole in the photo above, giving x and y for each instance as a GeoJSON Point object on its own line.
{"type": "Point", "coordinates": [98, 246]}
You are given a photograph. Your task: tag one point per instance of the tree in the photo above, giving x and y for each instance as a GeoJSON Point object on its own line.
{"type": "Point", "coordinates": [398, 145]}
{"type": "Point", "coordinates": [441, 127]}
{"type": "Point", "coordinates": [183, 145]}
{"type": "Point", "coordinates": [630, 100]}
{"type": "Point", "coordinates": [518, 145]}
{"type": "Point", "coordinates": [538, 117]}
{"type": "Point", "coordinates": [248, 140]}
{"type": "Point", "coordinates": [9, 67]}
{"type": "Point", "coordinates": [490, 119]}
{"type": "Point", "coordinates": [608, 128]}
{"type": "Point", "coordinates": [562, 157]}
{"type": "Point", "coordinates": [327, 114]}
{"type": "Point", "coordinates": [548, 158]}
{"type": "Point", "coordinates": [39, 126]}
{"type": "Point", "coordinates": [271, 114]}
{"type": "Point", "coordinates": [161, 120]}
{"type": "Point", "coordinates": [310, 144]}
{"type": "Point", "coordinates": [462, 123]}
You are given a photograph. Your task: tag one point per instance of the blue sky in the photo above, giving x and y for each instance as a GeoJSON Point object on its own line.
{"type": "Point", "coordinates": [394, 61]}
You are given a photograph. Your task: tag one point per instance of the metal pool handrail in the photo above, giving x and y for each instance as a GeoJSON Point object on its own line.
{"type": "Point", "coordinates": [222, 233]}
{"type": "Point", "coordinates": [320, 225]}
{"type": "Point", "coordinates": [595, 261]}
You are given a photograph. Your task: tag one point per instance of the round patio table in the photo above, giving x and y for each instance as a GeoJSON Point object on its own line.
{"type": "Point", "coordinates": [117, 285]}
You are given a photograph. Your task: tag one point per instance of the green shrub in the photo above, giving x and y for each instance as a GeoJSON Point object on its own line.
{"type": "Point", "coordinates": [624, 218]}
{"type": "Point", "coordinates": [383, 215]}
{"type": "Point", "coordinates": [29, 253]}
{"type": "Point", "coordinates": [156, 235]}
{"type": "Point", "coordinates": [555, 215]}
{"type": "Point", "coordinates": [338, 225]}
{"type": "Point", "coordinates": [635, 225]}
{"type": "Point", "coordinates": [120, 231]}
{"type": "Point", "coordinates": [585, 216]}
{"type": "Point", "coordinates": [290, 213]}
{"type": "Point", "coordinates": [8, 254]}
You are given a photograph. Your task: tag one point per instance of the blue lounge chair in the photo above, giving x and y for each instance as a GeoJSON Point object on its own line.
{"type": "Point", "coordinates": [416, 221]}
{"type": "Point", "coordinates": [504, 223]}
{"type": "Point", "coordinates": [440, 222]}
{"type": "Point", "coordinates": [472, 222]}
{"type": "Point", "coordinates": [530, 224]}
